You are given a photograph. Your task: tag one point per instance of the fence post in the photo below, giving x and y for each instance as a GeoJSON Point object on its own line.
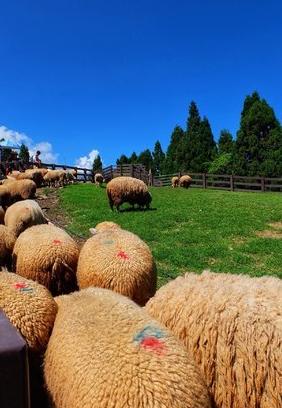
{"type": "Point", "coordinates": [121, 169]}
{"type": "Point", "coordinates": [132, 170]}
{"type": "Point", "coordinates": [204, 180]}
{"type": "Point", "coordinates": [84, 175]}
{"type": "Point", "coordinates": [53, 166]}
{"type": "Point", "coordinates": [112, 172]}
{"type": "Point", "coordinates": [231, 182]}
{"type": "Point", "coordinates": [262, 184]}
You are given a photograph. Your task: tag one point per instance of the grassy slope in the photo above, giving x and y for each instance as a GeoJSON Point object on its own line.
{"type": "Point", "coordinates": [191, 229]}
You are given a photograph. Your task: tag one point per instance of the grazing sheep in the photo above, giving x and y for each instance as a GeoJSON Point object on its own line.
{"type": "Point", "coordinates": [23, 215]}
{"type": "Point", "coordinates": [32, 174]}
{"type": "Point", "coordinates": [118, 260]}
{"type": "Point", "coordinates": [7, 242]}
{"type": "Point", "coordinates": [104, 226]}
{"type": "Point", "coordinates": [105, 351]}
{"type": "Point", "coordinates": [185, 181]}
{"type": "Point", "coordinates": [55, 178]}
{"type": "Point", "coordinates": [174, 182]}
{"type": "Point", "coordinates": [48, 255]}
{"type": "Point", "coordinates": [29, 307]}
{"type": "Point", "coordinates": [128, 190]}
{"type": "Point", "coordinates": [233, 327]}
{"type": "Point", "coordinates": [20, 190]}
{"type": "Point", "coordinates": [98, 179]}
{"type": "Point", "coordinates": [2, 215]}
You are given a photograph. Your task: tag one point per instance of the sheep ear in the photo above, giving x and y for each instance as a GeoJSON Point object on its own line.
{"type": "Point", "coordinates": [93, 231]}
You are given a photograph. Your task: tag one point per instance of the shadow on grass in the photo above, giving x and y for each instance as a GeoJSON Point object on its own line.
{"type": "Point", "coordinates": [131, 209]}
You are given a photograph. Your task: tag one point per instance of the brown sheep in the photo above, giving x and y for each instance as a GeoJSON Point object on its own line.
{"type": "Point", "coordinates": [7, 242]}
{"type": "Point", "coordinates": [128, 190]}
{"type": "Point", "coordinates": [174, 182]}
{"type": "Point", "coordinates": [2, 215]}
{"type": "Point", "coordinates": [55, 178]}
{"type": "Point", "coordinates": [29, 307]}
{"type": "Point", "coordinates": [5, 196]}
{"type": "Point", "coordinates": [20, 190]}
{"type": "Point", "coordinates": [118, 260]}
{"type": "Point", "coordinates": [23, 215]}
{"type": "Point", "coordinates": [104, 226]}
{"type": "Point", "coordinates": [185, 181]}
{"type": "Point", "coordinates": [233, 327]}
{"type": "Point", "coordinates": [105, 351]}
{"type": "Point", "coordinates": [48, 255]}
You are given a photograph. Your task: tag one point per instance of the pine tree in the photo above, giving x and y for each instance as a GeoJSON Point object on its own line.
{"type": "Point", "coordinates": [97, 164]}
{"type": "Point", "coordinates": [146, 159]}
{"type": "Point", "coordinates": [158, 158]}
{"type": "Point", "coordinates": [123, 160]}
{"type": "Point", "coordinates": [199, 145]}
{"type": "Point", "coordinates": [133, 159]}
{"type": "Point", "coordinates": [258, 148]}
{"type": "Point", "coordinates": [24, 153]}
{"type": "Point", "coordinates": [225, 142]}
{"type": "Point", "coordinates": [173, 162]}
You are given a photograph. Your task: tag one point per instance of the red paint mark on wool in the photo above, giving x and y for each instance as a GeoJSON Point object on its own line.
{"type": "Point", "coordinates": [122, 255]}
{"type": "Point", "coordinates": [57, 242]}
{"type": "Point", "coordinates": [154, 344]}
{"type": "Point", "coordinates": [20, 285]}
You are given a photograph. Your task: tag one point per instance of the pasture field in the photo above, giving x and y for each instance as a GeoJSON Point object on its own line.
{"type": "Point", "coordinates": [191, 230]}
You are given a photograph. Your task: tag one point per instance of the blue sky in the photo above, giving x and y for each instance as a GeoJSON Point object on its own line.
{"type": "Point", "coordinates": [115, 76]}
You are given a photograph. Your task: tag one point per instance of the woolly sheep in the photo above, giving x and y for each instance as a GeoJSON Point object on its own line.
{"type": "Point", "coordinates": [128, 190]}
{"type": "Point", "coordinates": [48, 255]}
{"type": "Point", "coordinates": [118, 260]}
{"type": "Point", "coordinates": [20, 190]}
{"type": "Point", "coordinates": [98, 179]}
{"type": "Point", "coordinates": [7, 242]}
{"type": "Point", "coordinates": [23, 215]}
{"type": "Point", "coordinates": [5, 196]}
{"type": "Point", "coordinates": [104, 226]}
{"type": "Point", "coordinates": [29, 307]}
{"type": "Point", "coordinates": [105, 351]}
{"type": "Point", "coordinates": [31, 174]}
{"type": "Point", "coordinates": [174, 182]}
{"type": "Point", "coordinates": [233, 327]}
{"type": "Point", "coordinates": [55, 178]}
{"type": "Point", "coordinates": [185, 181]}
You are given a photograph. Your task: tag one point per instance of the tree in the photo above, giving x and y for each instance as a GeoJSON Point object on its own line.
{"type": "Point", "coordinates": [225, 142]}
{"type": "Point", "coordinates": [158, 158]}
{"type": "Point", "coordinates": [123, 160]}
{"type": "Point", "coordinates": [6, 154]}
{"type": "Point", "coordinates": [199, 145]}
{"type": "Point", "coordinates": [222, 164]}
{"type": "Point", "coordinates": [174, 155]}
{"type": "Point", "coordinates": [24, 153]}
{"type": "Point", "coordinates": [97, 164]}
{"type": "Point", "coordinates": [258, 147]}
{"type": "Point", "coordinates": [133, 158]}
{"type": "Point", "coordinates": [146, 159]}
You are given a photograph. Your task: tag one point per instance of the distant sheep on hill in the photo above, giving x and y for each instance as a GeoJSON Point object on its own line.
{"type": "Point", "coordinates": [98, 179]}
{"type": "Point", "coordinates": [128, 190]}
{"type": "Point", "coordinates": [232, 325]}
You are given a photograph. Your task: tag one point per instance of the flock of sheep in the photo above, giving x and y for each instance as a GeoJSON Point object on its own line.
{"type": "Point", "coordinates": [109, 338]}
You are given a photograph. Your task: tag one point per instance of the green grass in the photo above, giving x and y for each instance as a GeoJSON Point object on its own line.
{"type": "Point", "coordinates": [190, 230]}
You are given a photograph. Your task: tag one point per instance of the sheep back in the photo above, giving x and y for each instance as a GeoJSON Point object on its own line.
{"type": "Point", "coordinates": [23, 215]}
{"type": "Point", "coordinates": [232, 325]}
{"type": "Point", "coordinates": [174, 182]}
{"type": "Point", "coordinates": [48, 255]}
{"type": "Point", "coordinates": [7, 242]}
{"type": "Point", "coordinates": [29, 307]}
{"type": "Point", "coordinates": [185, 181]}
{"type": "Point", "coordinates": [119, 357]}
{"type": "Point", "coordinates": [128, 190]}
{"type": "Point", "coordinates": [118, 260]}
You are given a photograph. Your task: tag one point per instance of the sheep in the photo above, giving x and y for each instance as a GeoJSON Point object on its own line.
{"type": "Point", "coordinates": [98, 179]}
{"type": "Point", "coordinates": [185, 181]}
{"type": "Point", "coordinates": [20, 190]}
{"type": "Point", "coordinates": [5, 196]}
{"type": "Point", "coordinates": [29, 307]}
{"type": "Point", "coordinates": [118, 260]}
{"type": "Point", "coordinates": [32, 174]}
{"type": "Point", "coordinates": [23, 215]}
{"type": "Point", "coordinates": [174, 182]}
{"type": "Point", "coordinates": [105, 351]}
{"type": "Point", "coordinates": [232, 325]}
{"type": "Point", "coordinates": [2, 215]}
{"type": "Point", "coordinates": [48, 255]}
{"type": "Point", "coordinates": [55, 178]}
{"type": "Point", "coordinates": [128, 190]}
{"type": "Point", "coordinates": [103, 226]}
{"type": "Point", "coordinates": [7, 242]}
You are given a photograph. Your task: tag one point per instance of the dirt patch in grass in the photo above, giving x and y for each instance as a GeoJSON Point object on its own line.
{"type": "Point", "coordinates": [48, 199]}
{"type": "Point", "coordinates": [276, 225]}
{"type": "Point", "coordinates": [269, 234]}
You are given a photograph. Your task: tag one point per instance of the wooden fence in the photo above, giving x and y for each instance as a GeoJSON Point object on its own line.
{"type": "Point", "coordinates": [131, 170]}
{"type": "Point", "coordinates": [225, 182]}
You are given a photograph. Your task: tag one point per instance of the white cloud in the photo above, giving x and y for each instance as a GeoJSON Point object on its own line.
{"type": "Point", "coordinates": [87, 161]}
{"type": "Point", "coordinates": [14, 138]}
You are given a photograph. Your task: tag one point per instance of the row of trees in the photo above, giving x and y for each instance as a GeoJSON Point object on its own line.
{"type": "Point", "coordinates": [257, 149]}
